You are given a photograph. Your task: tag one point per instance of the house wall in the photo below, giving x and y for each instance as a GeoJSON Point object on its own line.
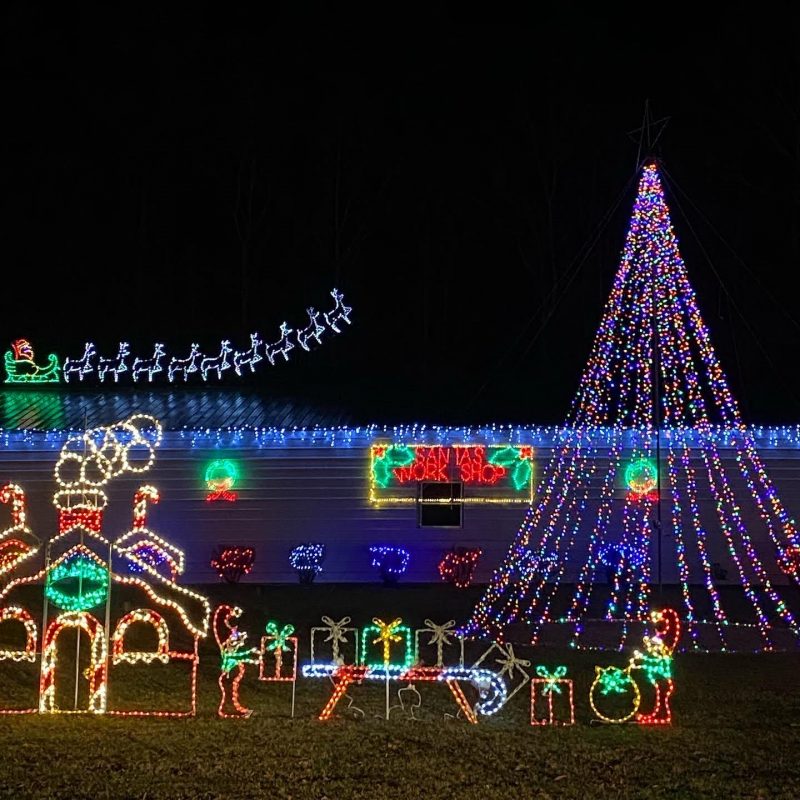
{"type": "Point", "coordinates": [298, 490]}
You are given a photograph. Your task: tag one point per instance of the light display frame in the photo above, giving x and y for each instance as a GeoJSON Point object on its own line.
{"type": "Point", "coordinates": [446, 463]}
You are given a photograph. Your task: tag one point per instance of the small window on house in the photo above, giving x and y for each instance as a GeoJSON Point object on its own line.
{"type": "Point", "coordinates": [439, 505]}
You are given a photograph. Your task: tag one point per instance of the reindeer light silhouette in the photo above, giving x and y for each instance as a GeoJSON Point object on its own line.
{"type": "Point", "coordinates": [149, 365]}
{"type": "Point", "coordinates": [282, 346]}
{"type": "Point", "coordinates": [185, 365]}
{"type": "Point", "coordinates": [312, 331]}
{"type": "Point", "coordinates": [217, 363]}
{"type": "Point", "coordinates": [249, 357]}
{"type": "Point", "coordinates": [115, 365]}
{"type": "Point", "coordinates": [339, 313]}
{"type": "Point", "coordinates": [81, 366]}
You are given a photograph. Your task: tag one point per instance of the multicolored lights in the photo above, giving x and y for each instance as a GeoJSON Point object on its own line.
{"type": "Point", "coordinates": [641, 476]}
{"type": "Point", "coordinates": [653, 389]}
{"type": "Point", "coordinates": [82, 577]}
{"type": "Point", "coordinates": [506, 470]}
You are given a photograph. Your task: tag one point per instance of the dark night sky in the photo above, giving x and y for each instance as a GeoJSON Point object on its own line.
{"type": "Point", "coordinates": [445, 177]}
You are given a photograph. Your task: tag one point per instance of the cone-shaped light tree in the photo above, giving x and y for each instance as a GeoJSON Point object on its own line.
{"type": "Point", "coordinates": [639, 475]}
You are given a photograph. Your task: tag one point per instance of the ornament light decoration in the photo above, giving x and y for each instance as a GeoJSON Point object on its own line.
{"type": "Point", "coordinates": [651, 323]}
{"type": "Point", "coordinates": [640, 476]}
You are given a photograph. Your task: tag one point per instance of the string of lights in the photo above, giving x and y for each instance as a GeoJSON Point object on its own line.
{"type": "Point", "coordinates": [652, 382]}
{"type": "Point", "coordinates": [21, 368]}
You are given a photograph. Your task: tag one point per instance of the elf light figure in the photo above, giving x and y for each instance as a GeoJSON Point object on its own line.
{"type": "Point", "coordinates": [233, 657]}
{"type": "Point", "coordinates": [656, 662]}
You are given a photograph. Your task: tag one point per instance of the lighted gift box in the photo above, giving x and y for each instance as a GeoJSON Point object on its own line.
{"type": "Point", "coordinates": [278, 655]}
{"type": "Point", "coordinates": [386, 644]}
{"type": "Point", "coordinates": [334, 642]}
{"type": "Point", "coordinates": [552, 698]}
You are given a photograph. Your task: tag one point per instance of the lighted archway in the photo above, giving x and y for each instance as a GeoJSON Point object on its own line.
{"type": "Point", "coordinates": [149, 617]}
{"type": "Point", "coordinates": [28, 653]}
{"type": "Point", "coordinates": [96, 672]}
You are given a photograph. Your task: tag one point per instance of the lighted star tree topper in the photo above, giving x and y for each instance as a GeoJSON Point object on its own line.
{"type": "Point", "coordinates": [654, 384]}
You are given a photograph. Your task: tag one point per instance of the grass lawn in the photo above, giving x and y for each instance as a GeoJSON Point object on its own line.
{"type": "Point", "coordinates": [736, 731]}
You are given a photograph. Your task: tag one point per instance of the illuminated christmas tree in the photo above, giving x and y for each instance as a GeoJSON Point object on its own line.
{"type": "Point", "coordinates": [653, 475]}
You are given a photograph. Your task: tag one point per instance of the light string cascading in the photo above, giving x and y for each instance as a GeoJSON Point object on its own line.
{"type": "Point", "coordinates": [651, 328]}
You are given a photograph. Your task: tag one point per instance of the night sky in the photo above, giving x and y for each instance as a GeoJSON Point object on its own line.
{"type": "Point", "coordinates": [191, 178]}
